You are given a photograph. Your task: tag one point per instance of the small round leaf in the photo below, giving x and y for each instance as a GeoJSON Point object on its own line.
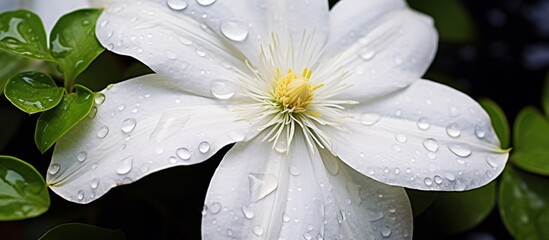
{"type": "Point", "coordinates": [22, 33]}
{"type": "Point", "coordinates": [33, 92]}
{"type": "Point", "coordinates": [531, 151]}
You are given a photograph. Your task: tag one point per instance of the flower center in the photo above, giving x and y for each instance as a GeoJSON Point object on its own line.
{"type": "Point", "coordinates": [294, 93]}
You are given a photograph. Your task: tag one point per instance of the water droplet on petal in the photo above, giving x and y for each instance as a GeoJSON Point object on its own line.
{"type": "Point", "coordinates": [102, 132]}
{"type": "Point", "coordinates": [200, 53]}
{"type": "Point", "coordinates": [257, 230]}
{"type": "Point", "coordinates": [423, 124]}
{"type": "Point", "coordinates": [248, 211]}
{"type": "Point", "coordinates": [453, 130]}
{"type": "Point", "coordinates": [54, 169]}
{"type": "Point", "coordinates": [428, 181]}
{"type": "Point", "coordinates": [215, 207]}
{"type": "Point", "coordinates": [281, 146]}
{"type": "Point", "coordinates": [177, 5]}
{"type": "Point", "coordinates": [205, 2]}
{"type": "Point", "coordinates": [204, 147]}
{"type": "Point", "coordinates": [172, 160]}
{"type": "Point", "coordinates": [99, 98]}
{"type": "Point", "coordinates": [183, 153]}
{"type": "Point", "coordinates": [430, 144]}
{"type": "Point", "coordinates": [401, 138]}
{"type": "Point", "coordinates": [261, 185]}
{"type": "Point", "coordinates": [460, 149]}
{"type": "Point", "coordinates": [93, 112]}
{"type": "Point", "coordinates": [294, 170]}
{"type": "Point", "coordinates": [82, 156]}
{"type": "Point", "coordinates": [223, 89]}
{"type": "Point", "coordinates": [80, 195]}
{"type": "Point", "coordinates": [95, 183]}
{"type": "Point", "coordinates": [125, 165]}
{"type": "Point", "coordinates": [285, 217]}
{"type": "Point", "coordinates": [369, 118]}
{"type": "Point", "coordinates": [366, 54]}
{"type": "Point", "coordinates": [480, 132]}
{"type": "Point", "coordinates": [341, 216]}
{"type": "Point", "coordinates": [438, 179]}
{"type": "Point", "coordinates": [491, 162]}
{"type": "Point", "coordinates": [236, 31]}
{"type": "Point", "coordinates": [128, 125]}
{"type": "Point", "coordinates": [386, 231]}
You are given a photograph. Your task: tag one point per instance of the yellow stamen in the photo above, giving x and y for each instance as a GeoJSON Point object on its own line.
{"type": "Point", "coordinates": [292, 92]}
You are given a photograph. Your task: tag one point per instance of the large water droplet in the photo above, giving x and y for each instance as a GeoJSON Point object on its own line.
{"type": "Point", "coordinates": [128, 125]}
{"type": "Point", "coordinates": [430, 144]}
{"type": "Point", "coordinates": [453, 130]}
{"type": "Point", "coordinates": [54, 169]}
{"type": "Point", "coordinates": [82, 156]}
{"type": "Point", "coordinates": [386, 231]}
{"type": "Point", "coordinates": [95, 183]}
{"type": "Point", "coordinates": [248, 211]}
{"type": "Point", "coordinates": [183, 153]}
{"type": "Point", "coordinates": [99, 98]}
{"type": "Point", "coordinates": [204, 147]}
{"type": "Point", "coordinates": [102, 132]}
{"type": "Point", "coordinates": [215, 208]}
{"type": "Point", "coordinates": [125, 165]}
{"type": "Point", "coordinates": [223, 89]}
{"type": "Point", "coordinates": [177, 5]}
{"type": "Point", "coordinates": [460, 149]}
{"type": "Point", "coordinates": [257, 230]}
{"type": "Point", "coordinates": [423, 124]}
{"type": "Point", "coordinates": [369, 118]}
{"type": "Point", "coordinates": [261, 185]}
{"type": "Point", "coordinates": [236, 31]}
{"type": "Point", "coordinates": [480, 132]}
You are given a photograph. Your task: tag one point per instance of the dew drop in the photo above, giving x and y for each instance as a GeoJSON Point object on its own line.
{"type": "Point", "coordinates": [341, 216]}
{"type": "Point", "coordinates": [491, 162]}
{"type": "Point", "coordinates": [261, 185]}
{"type": "Point", "coordinates": [423, 124]}
{"type": "Point", "coordinates": [99, 98]}
{"type": "Point", "coordinates": [223, 89]}
{"type": "Point", "coordinates": [54, 169]}
{"type": "Point", "coordinates": [121, 107]}
{"type": "Point", "coordinates": [451, 177]}
{"type": "Point", "coordinates": [183, 153]}
{"type": "Point", "coordinates": [480, 132]}
{"type": "Point", "coordinates": [453, 130]}
{"type": "Point", "coordinates": [95, 183]}
{"type": "Point", "coordinates": [204, 147]}
{"type": "Point", "coordinates": [430, 144]}
{"type": "Point", "coordinates": [248, 211]}
{"type": "Point", "coordinates": [205, 2]}
{"type": "Point", "coordinates": [460, 149]}
{"type": "Point", "coordinates": [233, 30]}
{"type": "Point", "coordinates": [177, 5]}
{"type": "Point", "coordinates": [102, 132]}
{"type": "Point", "coordinates": [93, 112]}
{"type": "Point", "coordinates": [386, 231]}
{"type": "Point", "coordinates": [285, 217]}
{"type": "Point", "coordinates": [200, 53]}
{"type": "Point", "coordinates": [401, 138]}
{"type": "Point", "coordinates": [125, 165]}
{"type": "Point", "coordinates": [438, 179]}
{"type": "Point", "coordinates": [215, 208]}
{"type": "Point", "coordinates": [172, 160]}
{"type": "Point", "coordinates": [80, 195]}
{"type": "Point", "coordinates": [257, 230]}
{"type": "Point", "coordinates": [428, 181]}
{"type": "Point", "coordinates": [366, 54]}
{"type": "Point", "coordinates": [295, 171]}
{"type": "Point", "coordinates": [82, 156]}
{"type": "Point", "coordinates": [128, 125]}
{"type": "Point", "coordinates": [281, 146]}
{"type": "Point", "coordinates": [370, 118]}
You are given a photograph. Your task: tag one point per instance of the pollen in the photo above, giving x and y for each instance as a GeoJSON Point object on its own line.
{"type": "Point", "coordinates": [293, 93]}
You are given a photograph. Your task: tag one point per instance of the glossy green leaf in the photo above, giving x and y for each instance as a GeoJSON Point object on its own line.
{"type": "Point", "coordinates": [420, 200]}
{"type": "Point", "coordinates": [455, 212]}
{"type": "Point", "coordinates": [499, 121]}
{"type": "Point", "coordinates": [71, 231]}
{"type": "Point", "coordinates": [452, 19]}
{"type": "Point", "coordinates": [73, 43]}
{"type": "Point", "coordinates": [53, 124]}
{"type": "Point", "coordinates": [524, 204]}
{"type": "Point", "coordinates": [531, 142]}
{"type": "Point", "coordinates": [22, 33]}
{"type": "Point", "coordinates": [33, 92]}
{"type": "Point", "coordinates": [23, 191]}
{"type": "Point", "coordinates": [545, 96]}
{"type": "Point", "coordinates": [11, 65]}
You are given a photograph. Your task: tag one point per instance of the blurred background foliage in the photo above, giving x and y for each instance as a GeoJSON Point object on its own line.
{"type": "Point", "coordinates": [496, 51]}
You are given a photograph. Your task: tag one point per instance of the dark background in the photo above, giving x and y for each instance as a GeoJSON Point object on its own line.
{"type": "Point", "coordinates": [507, 62]}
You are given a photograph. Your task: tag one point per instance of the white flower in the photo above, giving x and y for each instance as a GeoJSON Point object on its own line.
{"type": "Point", "coordinates": [49, 10]}
{"type": "Point", "coordinates": [317, 101]}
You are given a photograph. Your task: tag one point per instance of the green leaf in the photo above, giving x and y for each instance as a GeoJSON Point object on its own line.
{"type": "Point", "coordinates": [73, 43]}
{"type": "Point", "coordinates": [455, 212]}
{"type": "Point", "coordinates": [11, 64]}
{"type": "Point", "coordinates": [53, 124]}
{"type": "Point", "coordinates": [531, 142]}
{"type": "Point", "coordinates": [524, 204]}
{"type": "Point", "coordinates": [545, 96]}
{"type": "Point", "coordinates": [22, 33]}
{"type": "Point", "coordinates": [23, 191]}
{"type": "Point", "coordinates": [499, 121]}
{"type": "Point", "coordinates": [452, 20]}
{"type": "Point", "coordinates": [420, 200]}
{"type": "Point", "coordinates": [70, 231]}
{"type": "Point", "coordinates": [33, 92]}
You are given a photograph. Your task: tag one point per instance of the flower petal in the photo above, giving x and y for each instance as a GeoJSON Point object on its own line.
{"type": "Point", "coordinates": [173, 45]}
{"type": "Point", "coordinates": [428, 136]}
{"type": "Point", "coordinates": [258, 192]}
{"type": "Point", "coordinates": [138, 127]}
{"type": "Point", "coordinates": [384, 50]}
